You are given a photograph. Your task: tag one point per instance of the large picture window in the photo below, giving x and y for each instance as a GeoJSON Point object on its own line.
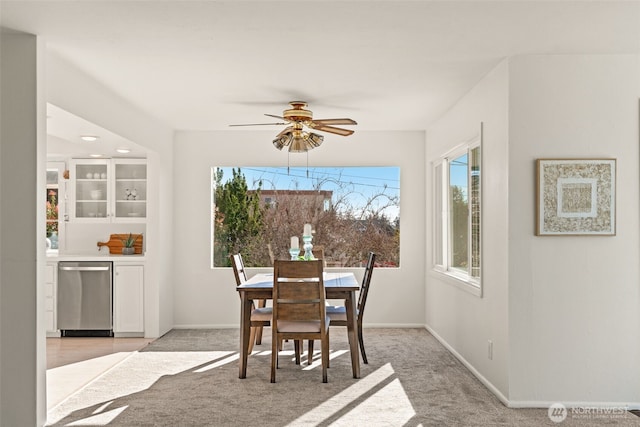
{"type": "Point", "coordinates": [457, 213]}
{"type": "Point", "coordinates": [352, 210]}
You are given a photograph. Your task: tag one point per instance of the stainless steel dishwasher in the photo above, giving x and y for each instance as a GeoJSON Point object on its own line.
{"type": "Point", "coordinates": [85, 303]}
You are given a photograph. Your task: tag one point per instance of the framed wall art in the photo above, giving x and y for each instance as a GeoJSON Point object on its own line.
{"type": "Point", "coordinates": [576, 197]}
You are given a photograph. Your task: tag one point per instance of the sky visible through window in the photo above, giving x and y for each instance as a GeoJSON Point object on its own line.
{"type": "Point", "coordinates": [458, 171]}
{"type": "Point", "coordinates": [361, 183]}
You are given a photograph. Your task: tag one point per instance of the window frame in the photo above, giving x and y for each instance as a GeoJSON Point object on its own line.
{"type": "Point", "coordinates": [326, 205]}
{"type": "Point", "coordinates": [60, 186]}
{"type": "Point", "coordinates": [441, 259]}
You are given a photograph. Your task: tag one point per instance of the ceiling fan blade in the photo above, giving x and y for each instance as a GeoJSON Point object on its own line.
{"type": "Point", "coordinates": [330, 129]}
{"type": "Point", "coordinates": [259, 124]}
{"type": "Point", "coordinates": [335, 121]}
{"type": "Point", "coordinates": [278, 117]}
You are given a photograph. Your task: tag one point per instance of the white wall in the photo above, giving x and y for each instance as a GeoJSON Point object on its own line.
{"type": "Point", "coordinates": [574, 301]}
{"type": "Point", "coordinates": [72, 90]}
{"type": "Point", "coordinates": [22, 232]}
{"type": "Point", "coordinates": [465, 322]}
{"type": "Point", "coordinates": [563, 312]}
{"type": "Point", "coordinates": [206, 297]}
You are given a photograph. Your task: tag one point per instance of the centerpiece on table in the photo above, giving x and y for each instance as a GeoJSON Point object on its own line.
{"type": "Point", "coordinates": [294, 249]}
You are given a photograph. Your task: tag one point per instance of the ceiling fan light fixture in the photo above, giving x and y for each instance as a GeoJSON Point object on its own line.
{"type": "Point", "coordinates": [282, 141]}
{"type": "Point", "coordinates": [315, 140]}
{"type": "Point", "coordinates": [304, 141]}
{"type": "Point", "coordinates": [298, 145]}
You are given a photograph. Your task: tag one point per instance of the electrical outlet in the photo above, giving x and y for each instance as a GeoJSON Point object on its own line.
{"type": "Point", "coordinates": [490, 350]}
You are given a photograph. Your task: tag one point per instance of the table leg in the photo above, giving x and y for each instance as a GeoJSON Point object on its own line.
{"type": "Point", "coordinates": [352, 333]}
{"type": "Point", "coordinates": [245, 332]}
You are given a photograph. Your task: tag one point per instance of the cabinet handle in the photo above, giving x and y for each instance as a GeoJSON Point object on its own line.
{"type": "Point", "coordinates": [84, 268]}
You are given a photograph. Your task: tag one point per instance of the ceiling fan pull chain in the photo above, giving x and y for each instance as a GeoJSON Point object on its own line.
{"type": "Point", "coordinates": [307, 164]}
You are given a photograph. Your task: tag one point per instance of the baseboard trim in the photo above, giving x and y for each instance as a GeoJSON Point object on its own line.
{"type": "Point", "coordinates": [392, 326]}
{"type": "Point", "coordinates": [128, 334]}
{"type": "Point", "coordinates": [488, 384]}
{"type": "Point", "coordinates": [526, 404]}
{"type": "Point", "coordinates": [365, 326]}
{"type": "Point", "coordinates": [206, 326]}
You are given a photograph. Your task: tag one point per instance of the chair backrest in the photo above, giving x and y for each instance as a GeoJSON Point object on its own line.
{"type": "Point", "coordinates": [298, 291]}
{"type": "Point", "coordinates": [318, 253]}
{"type": "Point", "coordinates": [366, 281]}
{"type": "Point", "coordinates": [238, 268]}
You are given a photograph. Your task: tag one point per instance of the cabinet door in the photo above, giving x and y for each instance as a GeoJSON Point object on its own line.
{"type": "Point", "coordinates": [50, 298]}
{"type": "Point", "coordinates": [128, 298]}
{"type": "Point", "coordinates": [90, 190]}
{"type": "Point", "coordinates": [130, 190]}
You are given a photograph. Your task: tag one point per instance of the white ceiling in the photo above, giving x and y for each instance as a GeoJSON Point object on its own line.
{"type": "Point", "coordinates": [64, 132]}
{"type": "Point", "coordinates": [389, 65]}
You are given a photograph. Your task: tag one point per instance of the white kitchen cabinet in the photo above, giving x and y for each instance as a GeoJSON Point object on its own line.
{"type": "Point", "coordinates": [50, 290]}
{"type": "Point", "coordinates": [128, 300]}
{"type": "Point", "coordinates": [129, 189]}
{"type": "Point", "coordinates": [108, 190]}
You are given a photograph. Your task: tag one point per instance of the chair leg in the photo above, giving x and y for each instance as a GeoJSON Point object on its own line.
{"type": "Point", "coordinates": [325, 357]}
{"type": "Point", "coordinates": [310, 354]}
{"type": "Point", "coordinates": [361, 341]}
{"type": "Point", "coordinates": [258, 335]}
{"type": "Point", "coordinates": [274, 357]}
{"type": "Point", "coordinates": [297, 347]}
{"type": "Point", "coordinates": [261, 303]}
{"type": "Point", "coordinates": [252, 338]}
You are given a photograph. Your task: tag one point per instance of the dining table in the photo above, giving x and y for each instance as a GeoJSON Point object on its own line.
{"type": "Point", "coordinates": [342, 286]}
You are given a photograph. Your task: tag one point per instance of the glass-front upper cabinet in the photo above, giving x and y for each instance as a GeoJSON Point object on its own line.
{"type": "Point", "coordinates": [130, 188]}
{"type": "Point", "coordinates": [107, 190]}
{"type": "Point", "coordinates": [90, 188]}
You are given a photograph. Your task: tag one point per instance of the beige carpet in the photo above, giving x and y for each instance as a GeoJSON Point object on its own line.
{"type": "Point", "coordinates": [190, 378]}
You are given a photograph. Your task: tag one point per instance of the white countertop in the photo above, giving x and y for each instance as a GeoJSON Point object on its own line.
{"type": "Point", "coordinates": [103, 255]}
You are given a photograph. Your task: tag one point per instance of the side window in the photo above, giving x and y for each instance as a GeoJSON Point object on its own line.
{"type": "Point", "coordinates": [457, 213]}
{"type": "Point", "coordinates": [55, 205]}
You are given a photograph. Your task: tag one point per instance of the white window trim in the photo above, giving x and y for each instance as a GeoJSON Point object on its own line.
{"type": "Point", "coordinates": [451, 276]}
{"type": "Point", "coordinates": [473, 287]}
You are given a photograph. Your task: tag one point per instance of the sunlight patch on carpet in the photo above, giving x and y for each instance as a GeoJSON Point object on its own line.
{"type": "Point", "coordinates": [102, 419]}
{"type": "Point", "coordinates": [219, 363]}
{"type": "Point", "coordinates": [388, 406]}
{"type": "Point", "coordinates": [136, 373]}
{"type": "Point", "coordinates": [347, 396]}
{"type": "Point", "coordinates": [318, 361]}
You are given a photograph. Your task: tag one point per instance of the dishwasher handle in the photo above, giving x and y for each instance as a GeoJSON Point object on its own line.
{"type": "Point", "coordinates": [84, 268]}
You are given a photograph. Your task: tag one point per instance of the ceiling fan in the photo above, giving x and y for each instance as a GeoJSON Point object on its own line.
{"type": "Point", "coordinates": [295, 137]}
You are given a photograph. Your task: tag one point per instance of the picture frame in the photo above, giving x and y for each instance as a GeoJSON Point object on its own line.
{"type": "Point", "coordinates": [575, 197]}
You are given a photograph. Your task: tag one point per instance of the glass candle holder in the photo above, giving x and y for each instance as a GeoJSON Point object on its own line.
{"type": "Point", "coordinates": [308, 247]}
{"type": "Point", "coordinates": [294, 252]}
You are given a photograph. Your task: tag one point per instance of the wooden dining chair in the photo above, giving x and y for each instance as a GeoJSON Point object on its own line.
{"type": "Point", "coordinates": [299, 311]}
{"type": "Point", "coordinates": [261, 315]}
{"type": "Point", "coordinates": [338, 314]}
{"type": "Point", "coordinates": [318, 253]}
